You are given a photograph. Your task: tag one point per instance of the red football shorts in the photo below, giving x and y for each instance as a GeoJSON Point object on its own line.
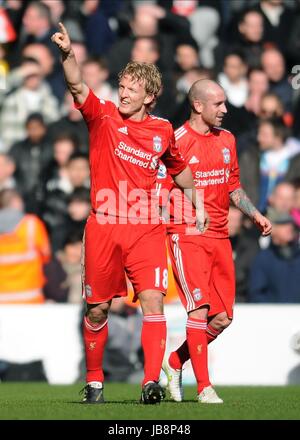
{"type": "Point", "coordinates": [204, 272]}
{"type": "Point", "coordinates": [111, 250]}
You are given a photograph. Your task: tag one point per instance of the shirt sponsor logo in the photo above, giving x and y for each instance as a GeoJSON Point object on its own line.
{"type": "Point", "coordinates": [193, 160]}
{"type": "Point", "coordinates": [154, 163]}
{"type": "Point", "coordinates": [210, 177]}
{"type": "Point", "coordinates": [226, 155]}
{"type": "Point", "coordinates": [197, 294]}
{"type": "Point", "coordinates": [88, 290]}
{"type": "Point", "coordinates": [162, 171]}
{"type": "Point", "coordinates": [123, 130]}
{"type": "Point", "coordinates": [136, 156]}
{"type": "Point", "coordinates": [227, 175]}
{"type": "Point", "coordinates": [157, 145]}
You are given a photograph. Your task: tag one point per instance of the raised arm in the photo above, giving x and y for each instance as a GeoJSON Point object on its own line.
{"type": "Point", "coordinates": [185, 182]}
{"type": "Point", "coordinates": [240, 199]}
{"type": "Point", "coordinates": [72, 73]}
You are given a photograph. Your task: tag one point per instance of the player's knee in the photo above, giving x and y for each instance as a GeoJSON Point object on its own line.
{"type": "Point", "coordinates": [200, 313]}
{"type": "Point", "coordinates": [97, 313]}
{"type": "Point", "coordinates": [151, 302]}
{"type": "Point", "coordinates": [221, 322]}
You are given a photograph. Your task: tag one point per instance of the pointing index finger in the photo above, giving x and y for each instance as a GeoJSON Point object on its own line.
{"type": "Point", "coordinates": [62, 28]}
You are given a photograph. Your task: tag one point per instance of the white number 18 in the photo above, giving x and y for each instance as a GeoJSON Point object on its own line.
{"type": "Point", "coordinates": [164, 278]}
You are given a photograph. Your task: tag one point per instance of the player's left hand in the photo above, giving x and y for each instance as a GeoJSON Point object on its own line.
{"type": "Point", "coordinates": [202, 220]}
{"type": "Point", "coordinates": [262, 223]}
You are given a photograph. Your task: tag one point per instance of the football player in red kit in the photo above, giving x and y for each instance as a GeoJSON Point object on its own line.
{"type": "Point", "coordinates": [202, 264]}
{"type": "Point", "coordinates": [123, 231]}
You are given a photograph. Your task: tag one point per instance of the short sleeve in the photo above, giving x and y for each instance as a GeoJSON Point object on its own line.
{"type": "Point", "coordinates": [93, 107]}
{"type": "Point", "coordinates": [172, 158]}
{"type": "Point", "coordinates": [234, 178]}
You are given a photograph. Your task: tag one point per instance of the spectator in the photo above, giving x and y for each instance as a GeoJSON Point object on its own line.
{"type": "Point", "coordinates": [7, 169]}
{"type": "Point", "coordinates": [244, 242]}
{"type": "Point", "coordinates": [293, 45]}
{"type": "Point", "coordinates": [51, 71]}
{"type": "Point", "coordinates": [37, 26]}
{"type": "Point", "coordinates": [182, 106]}
{"type": "Point", "coordinates": [275, 275]}
{"type": "Point", "coordinates": [78, 171]}
{"type": "Point", "coordinates": [235, 83]}
{"type": "Point", "coordinates": [80, 52]}
{"type": "Point", "coordinates": [59, 12]}
{"type": "Point", "coordinates": [147, 50]}
{"type": "Point", "coordinates": [149, 20]}
{"type": "Point", "coordinates": [31, 156]}
{"type": "Point", "coordinates": [72, 173]}
{"type": "Point", "coordinates": [71, 123]}
{"type": "Point", "coordinates": [204, 20]}
{"type": "Point", "coordinates": [273, 63]}
{"type": "Point", "coordinates": [64, 272]}
{"type": "Point", "coordinates": [233, 78]}
{"type": "Point", "coordinates": [271, 107]}
{"type": "Point", "coordinates": [272, 160]}
{"type": "Point", "coordinates": [277, 22]}
{"type": "Point", "coordinates": [24, 249]}
{"type": "Point", "coordinates": [282, 198]}
{"type": "Point", "coordinates": [99, 36]}
{"type": "Point", "coordinates": [78, 210]}
{"type": "Point", "coordinates": [251, 33]}
{"type": "Point", "coordinates": [70, 259]}
{"type": "Point", "coordinates": [277, 156]}
{"type": "Point", "coordinates": [33, 95]}
{"type": "Point", "coordinates": [56, 175]}
{"type": "Point", "coordinates": [57, 189]}
{"type": "Point", "coordinates": [281, 201]}
{"type": "Point", "coordinates": [15, 78]}
{"type": "Point", "coordinates": [258, 86]}
{"type": "Point", "coordinates": [95, 74]}
{"type": "Point", "coordinates": [186, 55]}
{"type": "Point", "coordinates": [295, 212]}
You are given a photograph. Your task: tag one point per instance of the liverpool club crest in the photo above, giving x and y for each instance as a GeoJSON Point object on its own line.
{"type": "Point", "coordinates": [226, 155]}
{"type": "Point", "coordinates": [157, 146]}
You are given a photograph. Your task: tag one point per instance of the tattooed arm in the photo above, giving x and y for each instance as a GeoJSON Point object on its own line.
{"type": "Point", "coordinates": [240, 199]}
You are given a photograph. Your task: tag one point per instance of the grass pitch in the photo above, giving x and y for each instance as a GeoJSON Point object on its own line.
{"type": "Point", "coordinates": [40, 401]}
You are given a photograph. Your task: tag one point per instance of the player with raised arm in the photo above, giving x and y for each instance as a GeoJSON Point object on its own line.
{"type": "Point", "coordinates": [202, 264]}
{"type": "Point", "coordinates": [123, 231]}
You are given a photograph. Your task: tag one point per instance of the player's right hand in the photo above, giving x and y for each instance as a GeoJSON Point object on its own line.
{"type": "Point", "coordinates": [62, 39]}
{"type": "Point", "coordinates": [202, 220]}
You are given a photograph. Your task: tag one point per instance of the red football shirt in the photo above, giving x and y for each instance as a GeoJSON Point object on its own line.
{"type": "Point", "coordinates": [213, 161]}
{"type": "Point", "coordinates": [124, 157]}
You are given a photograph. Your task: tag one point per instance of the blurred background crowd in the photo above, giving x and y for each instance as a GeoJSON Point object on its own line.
{"type": "Point", "coordinates": [250, 47]}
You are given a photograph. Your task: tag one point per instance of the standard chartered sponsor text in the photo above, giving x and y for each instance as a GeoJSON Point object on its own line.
{"type": "Point", "coordinates": [210, 177]}
{"type": "Point", "coordinates": [130, 154]}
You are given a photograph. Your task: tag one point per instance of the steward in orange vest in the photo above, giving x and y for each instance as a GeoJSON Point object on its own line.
{"type": "Point", "coordinates": [24, 249]}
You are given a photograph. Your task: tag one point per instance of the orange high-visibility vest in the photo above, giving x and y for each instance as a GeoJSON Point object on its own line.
{"type": "Point", "coordinates": [22, 255]}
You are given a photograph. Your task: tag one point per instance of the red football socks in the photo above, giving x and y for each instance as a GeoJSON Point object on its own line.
{"type": "Point", "coordinates": [153, 337]}
{"type": "Point", "coordinates": [197, 344]}
{"type": "Point", "coordinates": [181, 355]}
{"type": "Point", "coordinates": [95, 337]}
{"type": "Point", "coordinates": [212, 333]}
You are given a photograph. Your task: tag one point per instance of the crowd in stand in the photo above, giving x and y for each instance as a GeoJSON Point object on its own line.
{"type": "Point", "coordinates": [251, 47]}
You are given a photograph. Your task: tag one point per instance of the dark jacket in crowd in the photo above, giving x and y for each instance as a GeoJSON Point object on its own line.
{"type": "Point", "coordinates": [274, 277]}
